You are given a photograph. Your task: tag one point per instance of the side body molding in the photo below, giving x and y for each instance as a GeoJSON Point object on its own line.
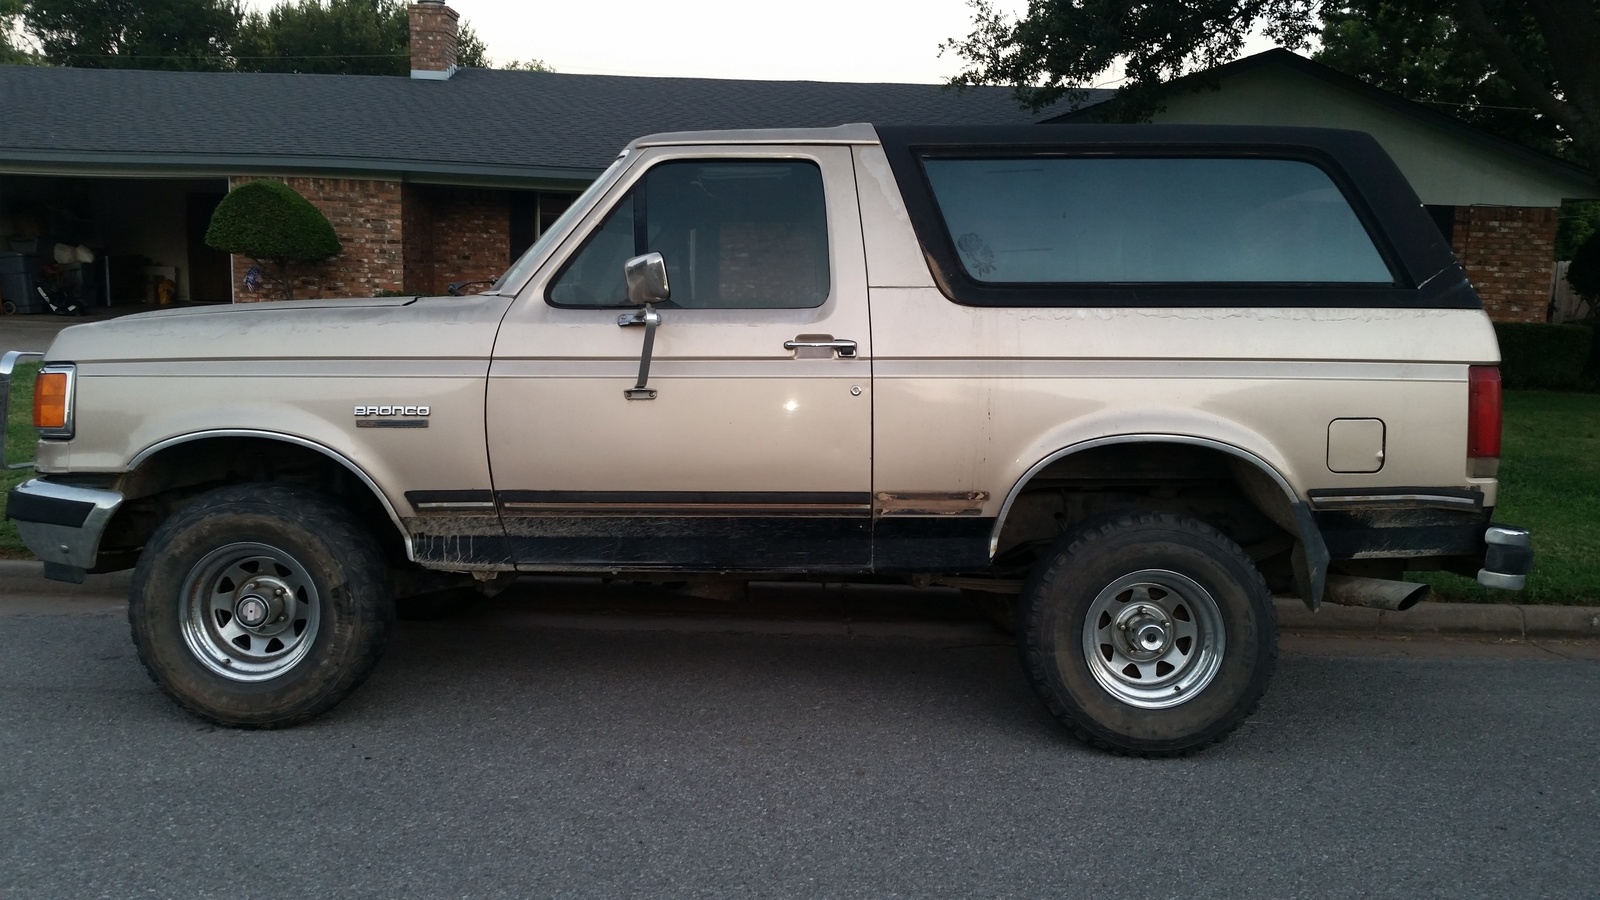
{"type": "Point", "coordinates": [1310, 552]}
{"type": "Point", "coordinates": [323, 449]}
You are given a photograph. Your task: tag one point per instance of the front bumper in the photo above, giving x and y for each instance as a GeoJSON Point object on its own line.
{"type": "Point", "coordinates": [62, 524]}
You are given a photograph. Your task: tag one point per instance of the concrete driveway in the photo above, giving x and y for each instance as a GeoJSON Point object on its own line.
{"type": "Point", "coordinates": [35, 332]}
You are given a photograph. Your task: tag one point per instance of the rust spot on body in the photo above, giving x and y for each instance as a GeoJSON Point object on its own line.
{"type": "Point", "coordinates": [929, 503]}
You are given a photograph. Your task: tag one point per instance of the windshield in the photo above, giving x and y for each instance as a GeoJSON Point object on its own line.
{"type": "Point", "coordinates": [523, 267]}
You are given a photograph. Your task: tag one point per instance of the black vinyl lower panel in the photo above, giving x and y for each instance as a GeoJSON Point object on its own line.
{"type": "Point", "coordinates": [754, 544]}
{"type": "Point", "coordinates": [935, 544]}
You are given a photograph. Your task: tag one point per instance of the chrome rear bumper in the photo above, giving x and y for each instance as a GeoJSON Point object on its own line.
{"type": "Point", "coordinates": [1508, 558]}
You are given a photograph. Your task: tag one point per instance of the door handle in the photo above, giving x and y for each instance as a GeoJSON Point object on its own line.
{"type": "Point", "coordinates": [846, 349]}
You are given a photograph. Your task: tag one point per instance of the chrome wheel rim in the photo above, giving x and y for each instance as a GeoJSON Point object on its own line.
{"type": "Point", "coordinates": [250, 611]}
{"type": "Point", "coordinates": [1154, 639]}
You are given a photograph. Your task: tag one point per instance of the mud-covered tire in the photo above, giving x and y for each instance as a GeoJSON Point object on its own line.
{"type": "Point", "coordinates": [1148, 633]}
{"type": "Point", "coordinates": [292, 558]}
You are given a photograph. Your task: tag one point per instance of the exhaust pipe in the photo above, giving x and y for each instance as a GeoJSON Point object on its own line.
{"type": "Point", "coordinates": [1374, 593]}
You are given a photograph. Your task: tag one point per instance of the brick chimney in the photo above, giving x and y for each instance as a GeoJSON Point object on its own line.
{"type": "Point", "coordinates": [435, 40]}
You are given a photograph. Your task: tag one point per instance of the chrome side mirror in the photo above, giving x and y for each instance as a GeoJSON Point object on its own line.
{"type": "Point", "coordinates": [647, 285]}
{"type": "Point", "coordinates": [647, 279]}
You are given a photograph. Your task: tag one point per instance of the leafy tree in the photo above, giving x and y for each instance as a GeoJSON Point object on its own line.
{"type": "Point", "coordinates": [1060, 45]}
{"type": "Point", "coordinates": [188, 35]}
{"type": "Point", "coordinates": [1430, 59]}
{"type": "Point", "coordinates": [339, 37]}
{"type": "Point", "coordinates": [1579, 220]}
{"type": "Point", "coordinates": [527, 65]}
{"type": "Point", "coordinates": [471, 52]}
{"type": "Point", "coordinates": [11, 53]}
{"type": "Point", "coordinates": [272, 224]}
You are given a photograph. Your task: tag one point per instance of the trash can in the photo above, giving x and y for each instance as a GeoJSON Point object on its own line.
{"type": "Point", "coordinates": [19, 277]}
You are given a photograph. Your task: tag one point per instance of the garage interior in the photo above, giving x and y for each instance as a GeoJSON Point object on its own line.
{"type": "Point", "coordinates": [109, 241]}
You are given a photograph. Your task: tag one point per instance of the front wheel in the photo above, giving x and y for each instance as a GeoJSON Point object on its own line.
{"type": "Point", "coordinates": [260, 605]}
{"type": "Point", "coordinates": [1148, 633]}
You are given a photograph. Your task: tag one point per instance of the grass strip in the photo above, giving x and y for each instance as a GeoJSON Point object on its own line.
{"type": "Point", "coordinates": [1550, 485]}
{"type": "Point", "coordinates": [20, 439]}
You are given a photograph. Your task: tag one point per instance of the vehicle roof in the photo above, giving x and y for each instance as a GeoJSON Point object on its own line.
{"type": "Point", "coordinates": [856, 133]}
{"type": "Point", "coordinates": [1121, 135]}
{"type": "Point", "coordinates": [1018, 135]}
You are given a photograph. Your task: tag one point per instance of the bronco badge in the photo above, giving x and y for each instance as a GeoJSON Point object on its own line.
{"type": "Point", "coordinates": [391, 417]}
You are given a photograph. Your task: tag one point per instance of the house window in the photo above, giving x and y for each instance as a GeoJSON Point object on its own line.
{"type": "Point", "coordinates": [532, 214]}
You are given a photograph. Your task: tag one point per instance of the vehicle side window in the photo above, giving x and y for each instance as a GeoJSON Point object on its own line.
{"type": "Point", "coordinates": [736, 234]}
{"type": "Point", "coordinates": [1096, 220]}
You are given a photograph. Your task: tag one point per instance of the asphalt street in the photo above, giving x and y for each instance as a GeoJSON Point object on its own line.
{"type": "Point", "coordinates": [516, 752]}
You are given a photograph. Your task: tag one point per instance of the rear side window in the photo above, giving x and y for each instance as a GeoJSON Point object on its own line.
{"type": "Point", "coordinates": [1159, 220]}
{"type": "Point", "coordinates": [736, 234]}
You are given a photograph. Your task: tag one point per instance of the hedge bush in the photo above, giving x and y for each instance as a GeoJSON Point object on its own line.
{"type": "Point", "coordinates": [271, 223]}
{"type": "Point", "coordinates": [1549, 357]}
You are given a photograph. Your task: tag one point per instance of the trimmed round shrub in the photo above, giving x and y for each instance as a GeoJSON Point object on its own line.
{"type": "Point", "coordinates": [271, 223]}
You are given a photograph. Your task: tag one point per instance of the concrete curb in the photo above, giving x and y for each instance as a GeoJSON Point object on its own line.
{"type": "Point", "coordinates": [26, 589]}
{"type": "Point", "coordinates": [1429, 619]}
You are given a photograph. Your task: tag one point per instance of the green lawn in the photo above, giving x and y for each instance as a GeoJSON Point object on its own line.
{"type": "Point", "coordinates": [1549, 483]}
{"type": "Point", "coordinates": [20, 438]}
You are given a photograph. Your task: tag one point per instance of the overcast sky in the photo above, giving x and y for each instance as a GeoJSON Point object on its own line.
{"type": "Point", "coordinates": [814, 40]}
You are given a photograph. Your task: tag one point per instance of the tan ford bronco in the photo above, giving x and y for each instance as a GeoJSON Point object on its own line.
{"type": "Point", "coordinates": [1135, 380]}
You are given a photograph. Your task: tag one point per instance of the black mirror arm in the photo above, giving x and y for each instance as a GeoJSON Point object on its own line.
{"type": "Point", "coordinates": [455, 287]}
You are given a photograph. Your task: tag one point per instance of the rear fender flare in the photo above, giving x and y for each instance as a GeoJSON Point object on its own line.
{"type": "Point", "coordinates": [1310, 553]}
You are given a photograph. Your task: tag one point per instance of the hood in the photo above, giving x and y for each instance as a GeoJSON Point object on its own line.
{"type": "Point", "coordinates": [388, 327]}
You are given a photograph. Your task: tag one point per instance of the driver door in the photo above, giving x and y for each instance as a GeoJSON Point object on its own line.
{"type": "Point", "coordinates": [749, 455]}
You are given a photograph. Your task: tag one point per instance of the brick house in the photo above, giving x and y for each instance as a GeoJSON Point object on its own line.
{"type": "Point", "coordinates": [1495, 201]}
{"type": "Point", "coordinates": [449, 174]}
{"type": "Point", "coordinates": [441, 177]}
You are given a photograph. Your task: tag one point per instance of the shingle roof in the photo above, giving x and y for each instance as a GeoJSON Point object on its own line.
{"type": "Point", "coordinates": [479, 122]}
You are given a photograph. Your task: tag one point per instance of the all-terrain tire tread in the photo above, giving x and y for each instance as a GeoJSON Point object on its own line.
{"type": "Point", "coordinates": [336, 528]}
{"type": "Point", "coordinates": [1096, 532]}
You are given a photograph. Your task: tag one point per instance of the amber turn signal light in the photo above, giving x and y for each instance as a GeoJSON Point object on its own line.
{"type": "Point", "coordinates": [50, 400]}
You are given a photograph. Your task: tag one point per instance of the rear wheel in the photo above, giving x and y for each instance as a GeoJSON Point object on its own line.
{"type": "Point", "coordinates": [1148, 633]}
{"type": "Point", "coordinates": [260, 605]}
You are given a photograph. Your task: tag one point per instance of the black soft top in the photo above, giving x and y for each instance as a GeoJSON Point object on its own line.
{"type": "Point", "coordinates": [1427, 273]}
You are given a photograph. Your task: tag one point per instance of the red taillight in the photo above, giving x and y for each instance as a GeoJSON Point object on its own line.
{"type": "Point", "coordinates": [1483, 411]}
